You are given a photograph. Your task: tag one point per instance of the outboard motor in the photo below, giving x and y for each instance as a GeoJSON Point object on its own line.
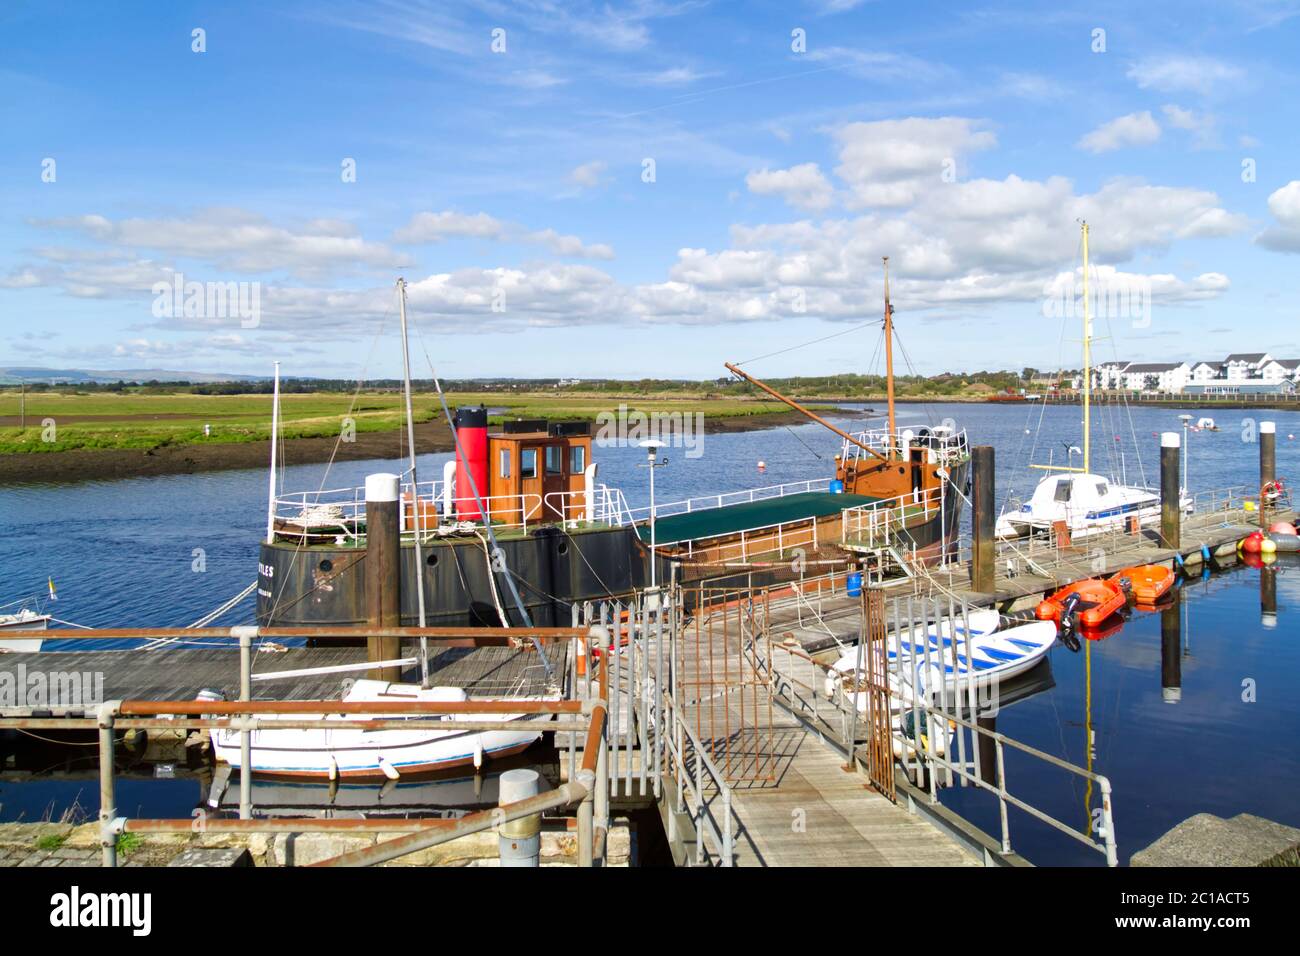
{"type": "Point", "coordinates": [1068, 637]}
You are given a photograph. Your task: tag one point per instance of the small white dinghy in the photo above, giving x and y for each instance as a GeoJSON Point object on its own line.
{"type": "Point", "coordinates": [994, 656]}
{"type": "Point", "coordinates": [982, 622]}
{"type": "Point", "coordinates": [378, 754]}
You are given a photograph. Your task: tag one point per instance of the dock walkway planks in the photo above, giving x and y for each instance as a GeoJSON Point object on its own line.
{"type": "Point", "coordinates": [179, 674]}
{"type": "Point", "coordinates": [794, 804]}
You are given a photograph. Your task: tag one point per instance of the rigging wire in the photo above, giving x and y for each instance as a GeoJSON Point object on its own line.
{"type": "Point", "coordinates": [824, 338]}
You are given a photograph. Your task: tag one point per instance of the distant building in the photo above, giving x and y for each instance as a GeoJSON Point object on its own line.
{"type": "Point", "coordinates": [1242, 373]}
{"type": "Point", "coordinates": [1244, 366]}
{"type": "Point", "coordinates": [1225, 388]}
{"type": "Point", "coordinates": [1156, 376]}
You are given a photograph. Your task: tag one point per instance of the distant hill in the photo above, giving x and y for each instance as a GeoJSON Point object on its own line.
{"type": "Point", "coordinates": [13, 375]}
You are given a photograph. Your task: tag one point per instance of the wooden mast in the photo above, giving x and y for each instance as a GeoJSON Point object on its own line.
{"type": "Point", "coordinates": [802, 411]}
{"type": "Point", "coordinates": [889, 354]}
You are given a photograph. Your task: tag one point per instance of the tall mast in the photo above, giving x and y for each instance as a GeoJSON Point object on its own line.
{"type": "Point", "coordinates": [1087, 360]}
{"type": "Point", "coordinates": [801, 410]}
{"type": "Point", "coordinates": [415, 486]}
{"type": "Point", "coordinates": [889, 353]}
{"type": "Point", "coordinates": [275, 438]}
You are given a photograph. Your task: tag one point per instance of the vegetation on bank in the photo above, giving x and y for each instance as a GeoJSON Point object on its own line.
{"type": "Point", "coordinates": [946, 384]}
{"type": "Point", "coordinates": [151, 416]}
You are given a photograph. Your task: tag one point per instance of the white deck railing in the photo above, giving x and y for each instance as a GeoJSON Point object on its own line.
{"type": "Point", "coordinates": [341, 512]}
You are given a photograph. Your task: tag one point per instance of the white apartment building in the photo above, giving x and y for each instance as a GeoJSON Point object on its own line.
{"type": "Point", "coordinates": [1156, 376]}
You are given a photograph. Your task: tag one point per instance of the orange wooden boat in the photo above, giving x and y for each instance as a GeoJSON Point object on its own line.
{"type": "Point", "coordinates": [1089, 601]}
{"type": "Point", "coordinates": [1148, 582]}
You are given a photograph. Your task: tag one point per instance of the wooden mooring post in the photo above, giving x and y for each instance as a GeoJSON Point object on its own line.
{"type": "Point", "coordinates": [983, 547]}
{"type": "Point", "coordinates": [1170, 491]}
{"type": "Point", "coordinates": [1267, 467]}
{"type": "Point", "coordinates": [383, 572]}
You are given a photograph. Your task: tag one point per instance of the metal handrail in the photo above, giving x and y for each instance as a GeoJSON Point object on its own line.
{"type": "Point", "coordinates": [846, 700]}
{"type": "Point", "coordinates": [720, 831]}
{"type": "Point", "coordinates": [729, 498]}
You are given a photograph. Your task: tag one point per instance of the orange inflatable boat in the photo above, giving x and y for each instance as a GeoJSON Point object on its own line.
{"type": "Point", "coordinates": [1148, 582]}
{"type": "Point", "coordinates": [1089, 601]}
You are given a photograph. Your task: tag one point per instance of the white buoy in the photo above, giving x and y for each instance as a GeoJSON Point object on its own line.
{"type": "Point", "coordinates": [389, 770]}
{"type": "Point", "coordinates": [762, 466]}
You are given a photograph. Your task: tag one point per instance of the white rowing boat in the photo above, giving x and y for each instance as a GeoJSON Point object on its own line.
{"type": "Point", "coordinates": [358, 754]}
{"type": "Point", "coordinates": [930, 664]}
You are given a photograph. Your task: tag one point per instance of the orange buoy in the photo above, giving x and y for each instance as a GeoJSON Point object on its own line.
{"type": "Point", "coordinates": [1148, 582]}
{"type": "Point", "coordinates": [1281, 527]}
{"type": "Point", "coordinates": [1252, 542]}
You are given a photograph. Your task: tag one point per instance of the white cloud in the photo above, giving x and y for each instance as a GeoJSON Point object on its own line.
{"type": "Point", "coordinates": [427, 227]}
{"type": "Point", "coordinates": [1030, 86]}
{"type": "Point", "coordinates": [672, 76]}
{"type": "Point", "coordinates": [954, 246]}
{"type": "Point", "coordinates": [879, 65]}
{"type": "Point", "coordinates": [1135, 129]}
{"type": "Point", "coordinates": [588, 175]}
{"type": "Point", "coordinates": [239, 240]}
{"type": "Point", "coordinates": [1284, 234]}
{"type": "Point", "coordinates": [803, 186]}
{"type": "Point", "coordinates": [570, 246]}
{"type": "Point", "coordinates": [1202, 126]}
{"type": "Point", "coordinates": [436, 226]}
{"type": "Point", "coordinates": [888, 162]}
{"type": "Point", "coordinates": [1177, 74]}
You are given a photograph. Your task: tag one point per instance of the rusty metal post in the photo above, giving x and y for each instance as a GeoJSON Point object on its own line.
{"type": "Point", "coordinates": [1170, 491]}
{"type": "Point", "coordinates": [1267, 466]}
{"type": "Point", "coordinates": [383, 572]}
{"type": "Point", "coordinates": [983, 547]}
{"type": "Point", "coordinates": [586, 830]}
{"type": "Point", "coordinates": [245, 635]}
{"type": "Point", "coordinates": [519, 841]}
{"type": "Point", "coordinates": [107, 797]}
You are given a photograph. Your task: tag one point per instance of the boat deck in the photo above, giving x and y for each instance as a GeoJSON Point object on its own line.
{"type": "Point", "coordinates": [749, 515]}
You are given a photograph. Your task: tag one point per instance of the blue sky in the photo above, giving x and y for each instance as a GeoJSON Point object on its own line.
{"type": "Point", "coordinates": [965, 141]}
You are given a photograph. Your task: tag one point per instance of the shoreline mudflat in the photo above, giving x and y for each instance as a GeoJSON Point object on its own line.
{"type": "Point", "coordinates": [112, 463]}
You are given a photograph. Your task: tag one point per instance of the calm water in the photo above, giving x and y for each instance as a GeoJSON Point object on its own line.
{"type": "Point", "coordinates": [165, 551]}
{"type": "Point", "coordinates": [1214, 750]}
{"type": "Point", "coordinates": [124, 553]}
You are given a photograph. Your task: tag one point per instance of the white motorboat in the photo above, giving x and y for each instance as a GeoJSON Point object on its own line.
{"type": "Point", "coordinates": [24, 620]}
{"type": "Point", "coordinates": [1086, 503]}
{"type": "Point", "coordinates": [377, 754]}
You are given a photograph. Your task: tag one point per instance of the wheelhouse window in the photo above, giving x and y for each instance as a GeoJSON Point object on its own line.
{"type": "Point", "coordinates": [577, 460]}
{"type": "Point", "coordinates": [1102, 489]}
{"type": "Point", "coordinates": [1063, 488]}
{"type": "Point", "coordinates": [528, 463]}
{"type": "Point", "coordinates": [555, 459]}
{"type": "Point", "coordinates": [505, 462]}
